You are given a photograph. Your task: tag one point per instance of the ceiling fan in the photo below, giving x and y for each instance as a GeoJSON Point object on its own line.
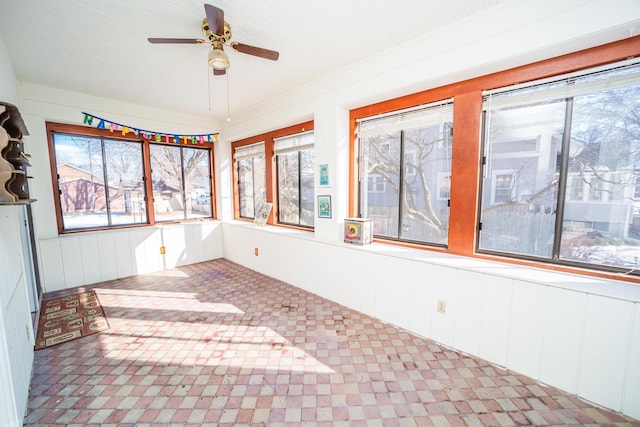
{"type": "Point", "coordinates": [218, 33]}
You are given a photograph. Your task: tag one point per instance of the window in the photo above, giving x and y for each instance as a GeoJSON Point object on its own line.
{"type": "Point", "coordinates": [295, 177]}
{"type": "Point", "coordinates": [503, 186]}
{"type": "Point", "coordinates": [571, 196]}
{"type": "Point", "coordinates": [181, 182]}
{"type": "Point", "coordinates": [444, 186]}
{"type": "Point", "coordinates": [376, 184]}
{"type": "Point", "coordinates": [101, 180]}
{"type": "Point", "coordinates": [251, 175]}
{"type": "Point", "coordinates": [412, 144]}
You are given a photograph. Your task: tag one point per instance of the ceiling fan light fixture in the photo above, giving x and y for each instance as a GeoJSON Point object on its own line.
{"type": "Point", "coordinates": [218, 59]}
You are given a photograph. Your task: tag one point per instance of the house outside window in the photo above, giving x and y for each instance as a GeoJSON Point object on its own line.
{"type": "Point", "coordinates": [503, 186]}
{"type": "Point", "coordinates": [376, 184]}
{"type": "Point", "coordinates": [572, 198]}
{"type": "Point", "coordinates": [251, 176]}
{"type": "Point", "coordinates": [412, 144]}
{"type": "Point", "coordinates": [295, 178]}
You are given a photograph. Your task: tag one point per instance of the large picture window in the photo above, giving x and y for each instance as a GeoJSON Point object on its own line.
{"type": "Point", "coordinates": [562, 159]}
{"type": "Point", "coordinates": [251, 175]}
{"type": "Point", "coordinates": [295, 172]}
{"type": "Point", "coordinates": [181, 182]}
{"type": "Point", "coordinates": [102, 181]}
{"type": "Point", "coordinates": [405, 168]}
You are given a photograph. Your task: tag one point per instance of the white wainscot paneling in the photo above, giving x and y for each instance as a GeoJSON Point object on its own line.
{"type": "Point", "coordinates": [145, 247]}
{"type": "Point", "coordinates": [631, 403]}
{"type": "Point", "coordinates": [605, 351]}
{"type": "Point", "coordinates": [236, 245]}
{"type": "Point", "coordinates": [11, 266]}
{"type": "Point", "coordinates": [20, 339]}
{"type": "Point", "coordinates": [173, 238]}
{"type": "Point", "coordinates": [124, 253]}
{"type": "Point", "coordinates": [108, 257]}
{"type": "Point", "coordinates": [445, 287]}
{"type": "Point", "coordinates": [152, 243]}
{"type": "Point", "coordinates": [90, 259]}
{"type": "Point", "coordinates": [354, 293]}
{"type": "Point", "coordinates": [526, 334]}
{"type": "Point", "coordinates": [563, 335]}
{"type": "Point", "coordinates": [195, 244]}
{"type": "Point", "coordinates": [467, 311]}
{"type": "Point", "coordinates": [268, 244]}
{"type": "Point", "coordinates": [211, 235]}
{"type": "Point", "coordinates": [393, 290]}
{"type": "Point", "coordinates": [369, 275]}
{"type": "Point", "coordinates": [52, 269]}
{"type": "Point", "coordinates": [497, 294]}
{"type": "Point", "coordinates": [381, 280]}
{"type": "Point", "coordinates": [71, 261]}
{"type": "Point", "coordinates": [8, 407]}
{"type": "Point", "coordinates": [421, 303]}
{"type": "Point", "coordinates": [308, 272]}
{"type": "Point", "coordinates": [333, 271]}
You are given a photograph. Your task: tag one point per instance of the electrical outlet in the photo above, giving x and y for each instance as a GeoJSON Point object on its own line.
{"type": "Point", "coordinates": [255, 251]}
{"type": "Point", "coordinates": [442, 306]}
{"type": "Point", "coordinates": [162, 250]}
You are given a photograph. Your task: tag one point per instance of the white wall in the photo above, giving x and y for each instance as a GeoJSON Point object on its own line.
{"type": "Point", "coordinates": [576, 333]}
{"type": "Point", "coordinates": [16, 331]}
{"type": "Point", "coordinates": [85, 258]}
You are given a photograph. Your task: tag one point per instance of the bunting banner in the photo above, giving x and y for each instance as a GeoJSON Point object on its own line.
{"type": "Point", "coordinates": [174, 138]}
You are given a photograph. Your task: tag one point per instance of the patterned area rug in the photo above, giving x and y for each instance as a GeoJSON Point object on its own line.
{"type": "Point", "coordinates": [66, 318]}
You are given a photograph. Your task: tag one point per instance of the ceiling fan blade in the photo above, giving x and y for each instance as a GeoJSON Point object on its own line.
{"type": "Point", "coordinates": [215, 18]}
{"type": "Point", "coordinates": [256, 51]}
{"type": "Point", "coordinates": [176, 41]}
{"type": "Point", "coordinates": [219, 72]}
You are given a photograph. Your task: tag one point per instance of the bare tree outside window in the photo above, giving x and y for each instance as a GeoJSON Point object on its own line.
{"type": "Point", "coordinates": [181, 182]}
{"type": "Point", "coordinates": [417, 148]}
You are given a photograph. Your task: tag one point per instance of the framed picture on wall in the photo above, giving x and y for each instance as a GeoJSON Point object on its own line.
{"type": "Point", "coordinates": [324, 206]}
{"type": "Point", "coordinates": [323, 175]}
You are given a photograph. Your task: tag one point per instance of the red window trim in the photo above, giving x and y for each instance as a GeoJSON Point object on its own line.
{"type": "Point", "coordinates": [466, 152]}
{"type": "Point", "coordinates": [269, 154]}
{"type": "Point", "coordinates": [53, 127]}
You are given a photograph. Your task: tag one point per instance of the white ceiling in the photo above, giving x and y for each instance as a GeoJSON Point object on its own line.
{"type": "Point", "coordinates": [100, 47]}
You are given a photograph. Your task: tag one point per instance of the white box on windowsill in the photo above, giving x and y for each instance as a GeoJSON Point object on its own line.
{"type": "Point", "coordinates": [358, 231]}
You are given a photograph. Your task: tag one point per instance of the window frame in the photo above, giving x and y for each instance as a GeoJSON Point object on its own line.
{"type": "Point", "coordinates": [90, 132]}
{"type": "Point", "coordinates": [467, 146]}
{"type": "Point", "coordinates": [236, 165]}
{"type": "Point", "coordinates": [183, 180]}
{"type": "Point", "coordinates": [270, 169]}
{"type": "Point", "coordinates": [400, 124]}
{"type": "Point", "coordinates": [298, 151]}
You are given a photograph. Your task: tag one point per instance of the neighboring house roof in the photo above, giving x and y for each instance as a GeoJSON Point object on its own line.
{"type": "Point", "coordinates": [67, 172]}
